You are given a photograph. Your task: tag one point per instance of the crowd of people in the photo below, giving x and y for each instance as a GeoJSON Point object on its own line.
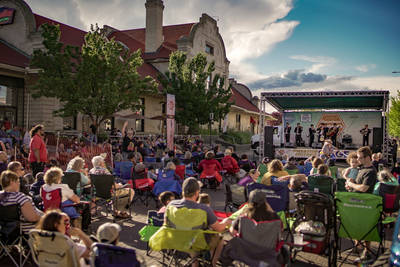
{"type": "Point", "coordinates": [200, 164]}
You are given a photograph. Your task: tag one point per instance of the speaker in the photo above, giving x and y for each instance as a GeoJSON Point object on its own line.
{"type": "Point", "coordinates": [269, 135]}
{"type": "Point", "coordinates": [377, 138]}
{"type": "Point", "coordinates": [269, 151]}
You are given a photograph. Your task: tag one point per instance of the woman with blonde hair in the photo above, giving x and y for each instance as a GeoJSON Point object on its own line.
{"type": "Point", "coordinates": [275, 168]}
{"type": "Point", "coordinates": [77, 165]}
{"type": "Point", "coordinates": [384, 177]}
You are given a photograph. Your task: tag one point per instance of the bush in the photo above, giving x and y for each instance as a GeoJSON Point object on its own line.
{"type": "Point", "coordinates": [237, 137]}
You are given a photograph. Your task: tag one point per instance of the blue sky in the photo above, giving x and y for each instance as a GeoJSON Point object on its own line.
{"type": "Point", "coordinates": [308, 45]}
{"type": "Point", "coordinates": [353, 33]}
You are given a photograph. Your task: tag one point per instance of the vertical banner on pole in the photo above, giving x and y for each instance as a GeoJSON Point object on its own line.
{"type": "Point", "coordinates": [170, 121]}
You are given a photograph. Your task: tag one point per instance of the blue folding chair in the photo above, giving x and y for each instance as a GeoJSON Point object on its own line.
{"type": "Point", "coordinates": [150, 159]}
{"type": "Point", "coordinates": [117, 168]}
{"type": "Point", "coordinates": [126, 171]}
{"type": "Point", "coordinates": [106, 255]}
{"type": "Point", "coordinates": [277, 195]}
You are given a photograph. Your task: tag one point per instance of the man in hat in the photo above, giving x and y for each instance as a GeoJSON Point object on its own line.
{"type": "Point", "coordinates": [190, 192]}
{"type": "Point", "coordinates": [108, 233]}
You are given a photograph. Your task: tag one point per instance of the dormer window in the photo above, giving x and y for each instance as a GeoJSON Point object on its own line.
{"type": "Point", "coordinates": [209, 49]}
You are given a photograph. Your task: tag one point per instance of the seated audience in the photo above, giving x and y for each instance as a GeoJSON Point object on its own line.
{"type": "Point", "coordinates": [275, 168]}
{"type": "Point", "coordinates": [3, 161]}
{"type": "Point", "coordinates": [245, 164]}
{"type": "Point", "coordinates": [375, 160]}
{"type": "Point", "coordinates": [165, 198]}
{"type": "Point", "coordinates": [351, 172]}
{"type": "Point", "coordinates": [291, 166]}
{"type": "Point", "coordinates": [384, 177]}
{"type": "Point", "coordinates": [17, 168]}
{"type": "Point", "coordinates": [263, 168]}
{"type": "Point", "coordinates": [315, 163]}
{"type": "Point", "coordinates": [205, 199]}
{"type": "Point", "coordinates": [10, 195]}
{"type": "Point", "coordinates": [109, 233]}
{"type": "Point", "coordinates": [35, 187]}
{"type": "Point", "coordinates": [210, 167]}
{"type": "Point", "coordinates": [57, 221]}
{"type": "Point", "coordinates": [168, 172]}
{"type": "Point", "coordinates": [77, 165]}
{"type": "Point", "coordinates": [229, 164]}
{"type": "Point", "coordinates": [250, 178]}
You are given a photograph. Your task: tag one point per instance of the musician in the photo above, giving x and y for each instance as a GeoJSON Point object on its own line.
{"type": "Point", "coordinates": [287, 132]}
{"type": "Point", "coordinates": [333, 132]}
{"type": "Point", "coordinates": [326, 130]}
{"type": "Point", "coordinates": [298, 130]}
{"type": "Point", "coordinates": [320, 132]}
{"type": "Point", "coordinates": [365, 134]}
{"type": "Point", "coordinates": [311, 133]}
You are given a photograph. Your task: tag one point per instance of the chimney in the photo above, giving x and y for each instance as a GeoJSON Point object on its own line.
{"type": "Point", "coordinates": [154, 24]}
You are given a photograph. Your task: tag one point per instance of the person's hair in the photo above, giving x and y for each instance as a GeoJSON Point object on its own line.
{"type": "Point", "coordinates": [7, 177]}
{"type": "Point", "coordinates": [76, 164]}
{"type": "Point", "coordinates": [228, 152]}
{"type": "Point", "coordinates": [275, 165]}
{"type": "Point", "coordinates": [301, 162]}
{"type": "Point", "coordinates": [352, 155]}
{"type": "Point", "coordinates": [171, 153]}
{"type": "Point", "coordinates": [244, 156]}
{"type": "Point", "coordinates": [170, 166]}
{"type": "Point", "coordinates": [39, 176]}
{"type": "Point", "coordinates": [204, 198]}
{"type": "Point", "coordinates": [316, 162]}
{"type": "Point", "coordinates": [35, 129]}
{"type": "Point", "coordinates": [209, 155]}
{"type": "Point", "coordinates": [384, 176]}
{"type": "Point", "coordinates": [97, 161]}
{"type": "Point", "coordinates": [295, 183]}
{"type": "Point", "coordinates": [380, 155]}
{"type": "Point", "coordinates": [330, 162]}
{"type": "Point", "coordinates": [257, 211]}
{"type": "Point", "coordinates": [165, 197]}
{"type": "Point", "coordinates": [323, 169]}
{"type": "Point", "coordinates": [13, 166]}
{"type": "Point", "coordinates": [50, 220]}
{"type": "Point", "coordinates": [266, 160]}
{"type": "Point", "coordinates": [53, 175]}
{"type": "Point", "coordinates": [188, 155]}
{"type": "Point", "coordinates": [366, 151]}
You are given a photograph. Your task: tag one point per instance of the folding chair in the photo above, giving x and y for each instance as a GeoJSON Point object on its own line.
{"type": "Point", "coordinates": [11, 234]}
{"type": "Point", "coordinates": [154, 222]}
{"type": "Point", "coordinates": [235, 196]}
{"type": "Point", "coordinates": [126, 171]}
{"type": "Point", "coordinates": [180, 171]}
{"type": "Point", "coordinates": [395, 248]}
{"type": "Point", "coordinates": [277, 198]}
{"type": "Point", "coordinates": [143, 191]}
{"type": "Point", "coordinates": [52, 249]}
{"type": "Point", "coordinates": [106, 255]}
{"type": "Point", "coordinates": [117, 168]}
{"type": "Point", "coordinates": [167, 185]}
{"type": "Point", "coordinates": [72, 179]}
{"type": "Point", "coordinates": [183, 233]}
{"type": "Point", "coordinates": [340, 185]}
{"type": "Point", "coordinates": [105, 193]}
{"type": "Point", "coordinates": [360, 218]}
{"type": "Point", "coordinates": [321, 183]}
{"type": "Point", "coordinates": [391, 196]}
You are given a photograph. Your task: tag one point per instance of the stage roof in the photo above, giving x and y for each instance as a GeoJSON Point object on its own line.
{"type": "Point", "coordinates": [337, 100]}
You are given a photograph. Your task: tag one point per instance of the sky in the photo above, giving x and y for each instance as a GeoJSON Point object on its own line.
{"type": "Point", "coordinates": [274, 45]}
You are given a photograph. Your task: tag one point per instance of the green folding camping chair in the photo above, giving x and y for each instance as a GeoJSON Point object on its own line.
{"type": "Point", "coordinates": [360, 218]}
{"type": "Point", "coordinates": [340, 185]}
{"type": "Point", "coordinates": [321, 183]}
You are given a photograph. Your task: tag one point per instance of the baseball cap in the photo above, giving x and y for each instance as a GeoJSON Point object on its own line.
{"type": "Point", "coordinates": [190, 186]}
{"type": "Point", "coordinates": [108, 232]}
{"type": "Point", "coordinates": [257, 196]}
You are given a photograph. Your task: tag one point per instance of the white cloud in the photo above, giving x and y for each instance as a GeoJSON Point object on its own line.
{"type": "Point", "coordinates": [319, 62]}
{"type": "Point", "coordinates": [365, 68]}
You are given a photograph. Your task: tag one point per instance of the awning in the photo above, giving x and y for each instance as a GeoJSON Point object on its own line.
{"type": "Point", "coordinates": [129, 115]}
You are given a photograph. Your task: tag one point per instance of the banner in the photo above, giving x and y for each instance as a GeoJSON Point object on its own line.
{"type": "Point", "coordinates": [304, 153]}
{"type": "Point", "coordinates": [170, 121]}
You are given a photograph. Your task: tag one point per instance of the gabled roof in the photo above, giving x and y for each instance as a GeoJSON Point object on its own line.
{"type": "Point", "coordinates": [241, 101]}
{"type": "Point", "coordinates": [11, 56]}
{"type": "Point", "coordinates": [69, 35]}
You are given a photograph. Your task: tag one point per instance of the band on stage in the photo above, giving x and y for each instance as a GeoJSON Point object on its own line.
{"type": "Point", "coordinates": [323, 132]}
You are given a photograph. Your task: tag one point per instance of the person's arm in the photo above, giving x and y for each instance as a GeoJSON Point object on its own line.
{"type": "Point", "coordinates": [357, 187]}
{"type": "Point", "coordinates": [74, 198]}
{"type": "Point", "coordinates": [74, 231]}
{"type": "Point", "coordinates": [29, 213]}
{"type": "Point", "coordinates": [3, 147]}
{"type": "Point", "coordinates": [220, 226]}
{"type": "Point", "coordinates": [124, 128]}
{"type": "Point", "coordinates": [346, 173]}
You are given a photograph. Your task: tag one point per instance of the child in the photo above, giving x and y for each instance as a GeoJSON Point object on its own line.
{"type": "Point", "coordinates": [152, 173]}
{"type": "Point", "coordinates": [384, 177]}
{"type": "Point", "coordinates": [352, 171]}
{"type": "Point", "coordinates": [165, 198]}
{"type": "Point", "coordinates": [205, 199]}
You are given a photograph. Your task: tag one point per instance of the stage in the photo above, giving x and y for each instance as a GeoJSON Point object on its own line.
{"type": "Point", "coordinates": [305, 152]}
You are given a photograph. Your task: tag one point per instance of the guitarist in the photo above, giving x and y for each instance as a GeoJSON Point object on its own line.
{"type": "Point", "coordinates": [333, 132]}
{"type": "Point", "coordinates": [365, 134]}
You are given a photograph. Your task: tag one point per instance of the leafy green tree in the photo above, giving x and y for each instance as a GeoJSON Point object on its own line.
{"type": "Point", "coordinates": [97, 79]}
{"type": "Point", "coordinates": [394, 116]}
{"type": "Point", "coordinates": [196, 94]}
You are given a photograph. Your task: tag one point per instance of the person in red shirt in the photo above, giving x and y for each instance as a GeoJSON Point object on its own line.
{"type": "Point", "coordinates": [210, 167]}
{"type": "Point", "coordinates": [229, 164]}
{"type": "Point", "coordinates": [38, 150]}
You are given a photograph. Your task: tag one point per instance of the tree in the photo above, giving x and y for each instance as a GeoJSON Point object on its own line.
{"type": "Point", "coordinates": [394, 116]}
{"type": "Point", "coordinates": [197, 93]}
{"type": "Point", "coordinates": [97, 80]}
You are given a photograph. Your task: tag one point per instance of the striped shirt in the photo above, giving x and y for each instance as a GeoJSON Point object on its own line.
{"type": "Point", "coordinates": [12, 198]}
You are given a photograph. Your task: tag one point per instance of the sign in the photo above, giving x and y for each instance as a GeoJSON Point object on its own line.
{"type": "Point", "coordinates": [305, 118]}
{"type": "Point", "coordinates": [329, 119]}
{"type": "Point", "coordinates": [6, 15]}
{"type": "Point", "coordinates": [211, 116]}
{"type": "Point", "coordinates": [170, 105]}
{"type": "Point", "coordinates": [170, 133]}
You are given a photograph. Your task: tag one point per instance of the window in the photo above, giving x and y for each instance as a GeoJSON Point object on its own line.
{"type": "Point", "coordinates": [139, 126]}
{"type": "Point", "coordinates": [208, 82]}
{"type": "Point", "coordinates": [238, 122]}
{"type": "Point", "coordinates": [209, 49]}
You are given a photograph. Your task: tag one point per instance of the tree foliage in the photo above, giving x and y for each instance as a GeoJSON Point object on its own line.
{"type": "Point", "coordinates": [97, 79]}
{"type": "Point", "coordinates": [187, 79]}
{"type": "Point", "coordinates": [394, 116]}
